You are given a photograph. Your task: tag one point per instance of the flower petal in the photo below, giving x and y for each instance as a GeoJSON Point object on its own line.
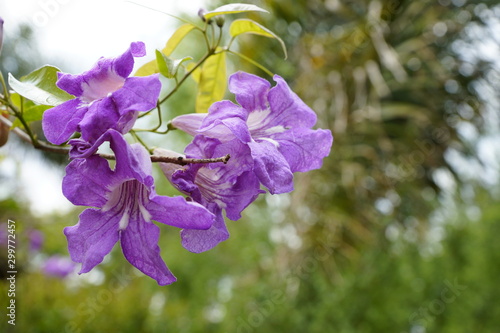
{"type": "Point", "coordinates": [106, 76]}
{"type": "Point", "coordinates": [71, 83]}
{"type": "Point", "coordinates": [189, 123]}
{"type": "Point", "coordinates": [178, 212]}
{"type": "Point", "coordinates": [232, 186]}
{"type": "Point", "coordinates": [244, 191]}
{"type": "Point", "coordinates": [124, 64]}
{"type": "Point", "coordinates": [60, 122]}
{"type": "Point", "coordinates": [234, 119]}
{"type": "Point", "coordinates": [140, 246]}
{"type": "Point", "coordinates": [132, 161]}
{"type": "Point", "coordinates": [92, 238]}
{"type": "Point", "coordinates": [237, 185]}
{"type": "Point", "coordinates": [304, 149]}
{"type": "Point", "coordinates": [287, 109]}
{"type": "Point", "coordinates": [250, 90]}
{"type": "Point", "coordinates": [137, 94]}
{"type": "Point", "coordinates": [102, 115]}
{"type": "Point", "coordinates": [88, 181]}
{"type": "Point", "coordinates": [203, 240]}
{"type": "Point", "coordinates": [271, 167]}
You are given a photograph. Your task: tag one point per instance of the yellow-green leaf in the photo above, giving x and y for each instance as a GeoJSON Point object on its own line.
{"type": "Point", "coordinates": [233, 9]}
{"type": "Point", "coordinates": [247, 26]}
{"type": "Point", "coordinates": [196, 74]}
{"type": "Point", "coordinates": [213, 82]}
{"type": "Point", "coordinates": [147, 69]}
{"type": "Point", "coordinates": [176, 38]}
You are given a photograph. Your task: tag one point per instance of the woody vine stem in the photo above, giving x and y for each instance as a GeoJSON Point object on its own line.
{"type": "Point", "coordinates": [65, 150]}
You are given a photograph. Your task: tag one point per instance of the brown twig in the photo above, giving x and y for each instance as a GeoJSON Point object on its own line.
{"type": "Point", "coordinates": [154, 158]}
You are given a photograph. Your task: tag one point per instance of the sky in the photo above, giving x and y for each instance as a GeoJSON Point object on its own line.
{"type": "Point", "coordinates": [78, 32]}
{"type": "Point", "coordinates": [72, 35]}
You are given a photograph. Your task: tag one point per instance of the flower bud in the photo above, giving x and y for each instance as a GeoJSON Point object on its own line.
{"type": "Point", "coordinates": [4, 131]}
{"type": "Point", "coordinates": [220, 21]}
{"type": "Point", "coordinates": [201, 14]}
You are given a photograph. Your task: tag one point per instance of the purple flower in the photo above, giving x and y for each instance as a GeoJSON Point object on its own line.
{"type": "Point", "coordinates": [58, 266]}
{"type": "Point", "coordinates": [36, 239]}
{"type": "Point", "coordinates": [274, 123]}
{"type": "Point", "coordinates": [126, 204]}
{"type": "Point", "coordinates": [106, 98]}
{"type": "Point", "coordinates": [217, 186]}
{"type": "Point", "coordinates": [3, 233]}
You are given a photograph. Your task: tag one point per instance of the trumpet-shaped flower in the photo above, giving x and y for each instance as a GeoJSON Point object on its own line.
{"type": "Point", "coordinates": [217, 186]}
{"type": "Point", "coordinates": [125, 205]}
{"type": "Point", "coordinates": [106, 98]}
{"type": "Point", "coordinates": [274, 123]}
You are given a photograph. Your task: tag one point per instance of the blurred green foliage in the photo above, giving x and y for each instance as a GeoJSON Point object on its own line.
{"type": "Point", "coordinates": [370, 243]}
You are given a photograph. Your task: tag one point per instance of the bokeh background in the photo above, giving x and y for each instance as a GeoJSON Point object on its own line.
{"type": "Point", "coordinates": [396, 233]}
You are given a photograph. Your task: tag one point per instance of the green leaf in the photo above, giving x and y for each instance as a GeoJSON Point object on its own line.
{"type": "Point", "coordinates": [213, 82]}
{"type": "Point", "coordinates": [233, 9]}
{"type": "Point", "coordinates": [173, 65]}
{"type": "Point", "coordinates": [169, 67]}
{"type": "Point", "coordinates": [16, 99]}
{"type": "Point", "coordinates": [247, 26]}
{"type": "Point", "coordinates": [147, 69]}
{"type": "Point", "coordinates": [33, 113]}
{"type": "Point", "coordinates": [176, 38]}
{"type": "Point", "coordinates": [161, 61]}
{"type": "Point", "coordinates": [40, 86]}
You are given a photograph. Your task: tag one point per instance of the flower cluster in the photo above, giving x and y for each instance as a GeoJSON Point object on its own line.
{"type": "Point", "coordinates": [268, 135]}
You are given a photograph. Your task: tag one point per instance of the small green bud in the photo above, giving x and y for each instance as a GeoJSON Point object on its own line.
{"type": "Point", "coordinates": [219, 20]}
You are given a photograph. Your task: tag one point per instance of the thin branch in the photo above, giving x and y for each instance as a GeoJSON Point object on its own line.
{"type": "Point", "coordinates": [154, 158]}
{"type": "Point", "coordinates": [178, 160]}
{"type": "Point", "coordinates": [198, 64]}
{"type": "Point", "coordinates": [39, 144]}
{"type": "Point", "coordinates": [184, 161]}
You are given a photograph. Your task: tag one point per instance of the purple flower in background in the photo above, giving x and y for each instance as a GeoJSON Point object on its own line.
{"type": "Point", "coordinates": [126, 204]}
{"type": "Point", "coordinates": [217, 186]}
{"type": "Point", "coordinates": [106, 98]}
{"type": "Point", "coordinates": [58, 266]}
{"type": "Point", "coordinates": [274, 123]}
{"type": "Point", "coordinates": [3, 233]}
